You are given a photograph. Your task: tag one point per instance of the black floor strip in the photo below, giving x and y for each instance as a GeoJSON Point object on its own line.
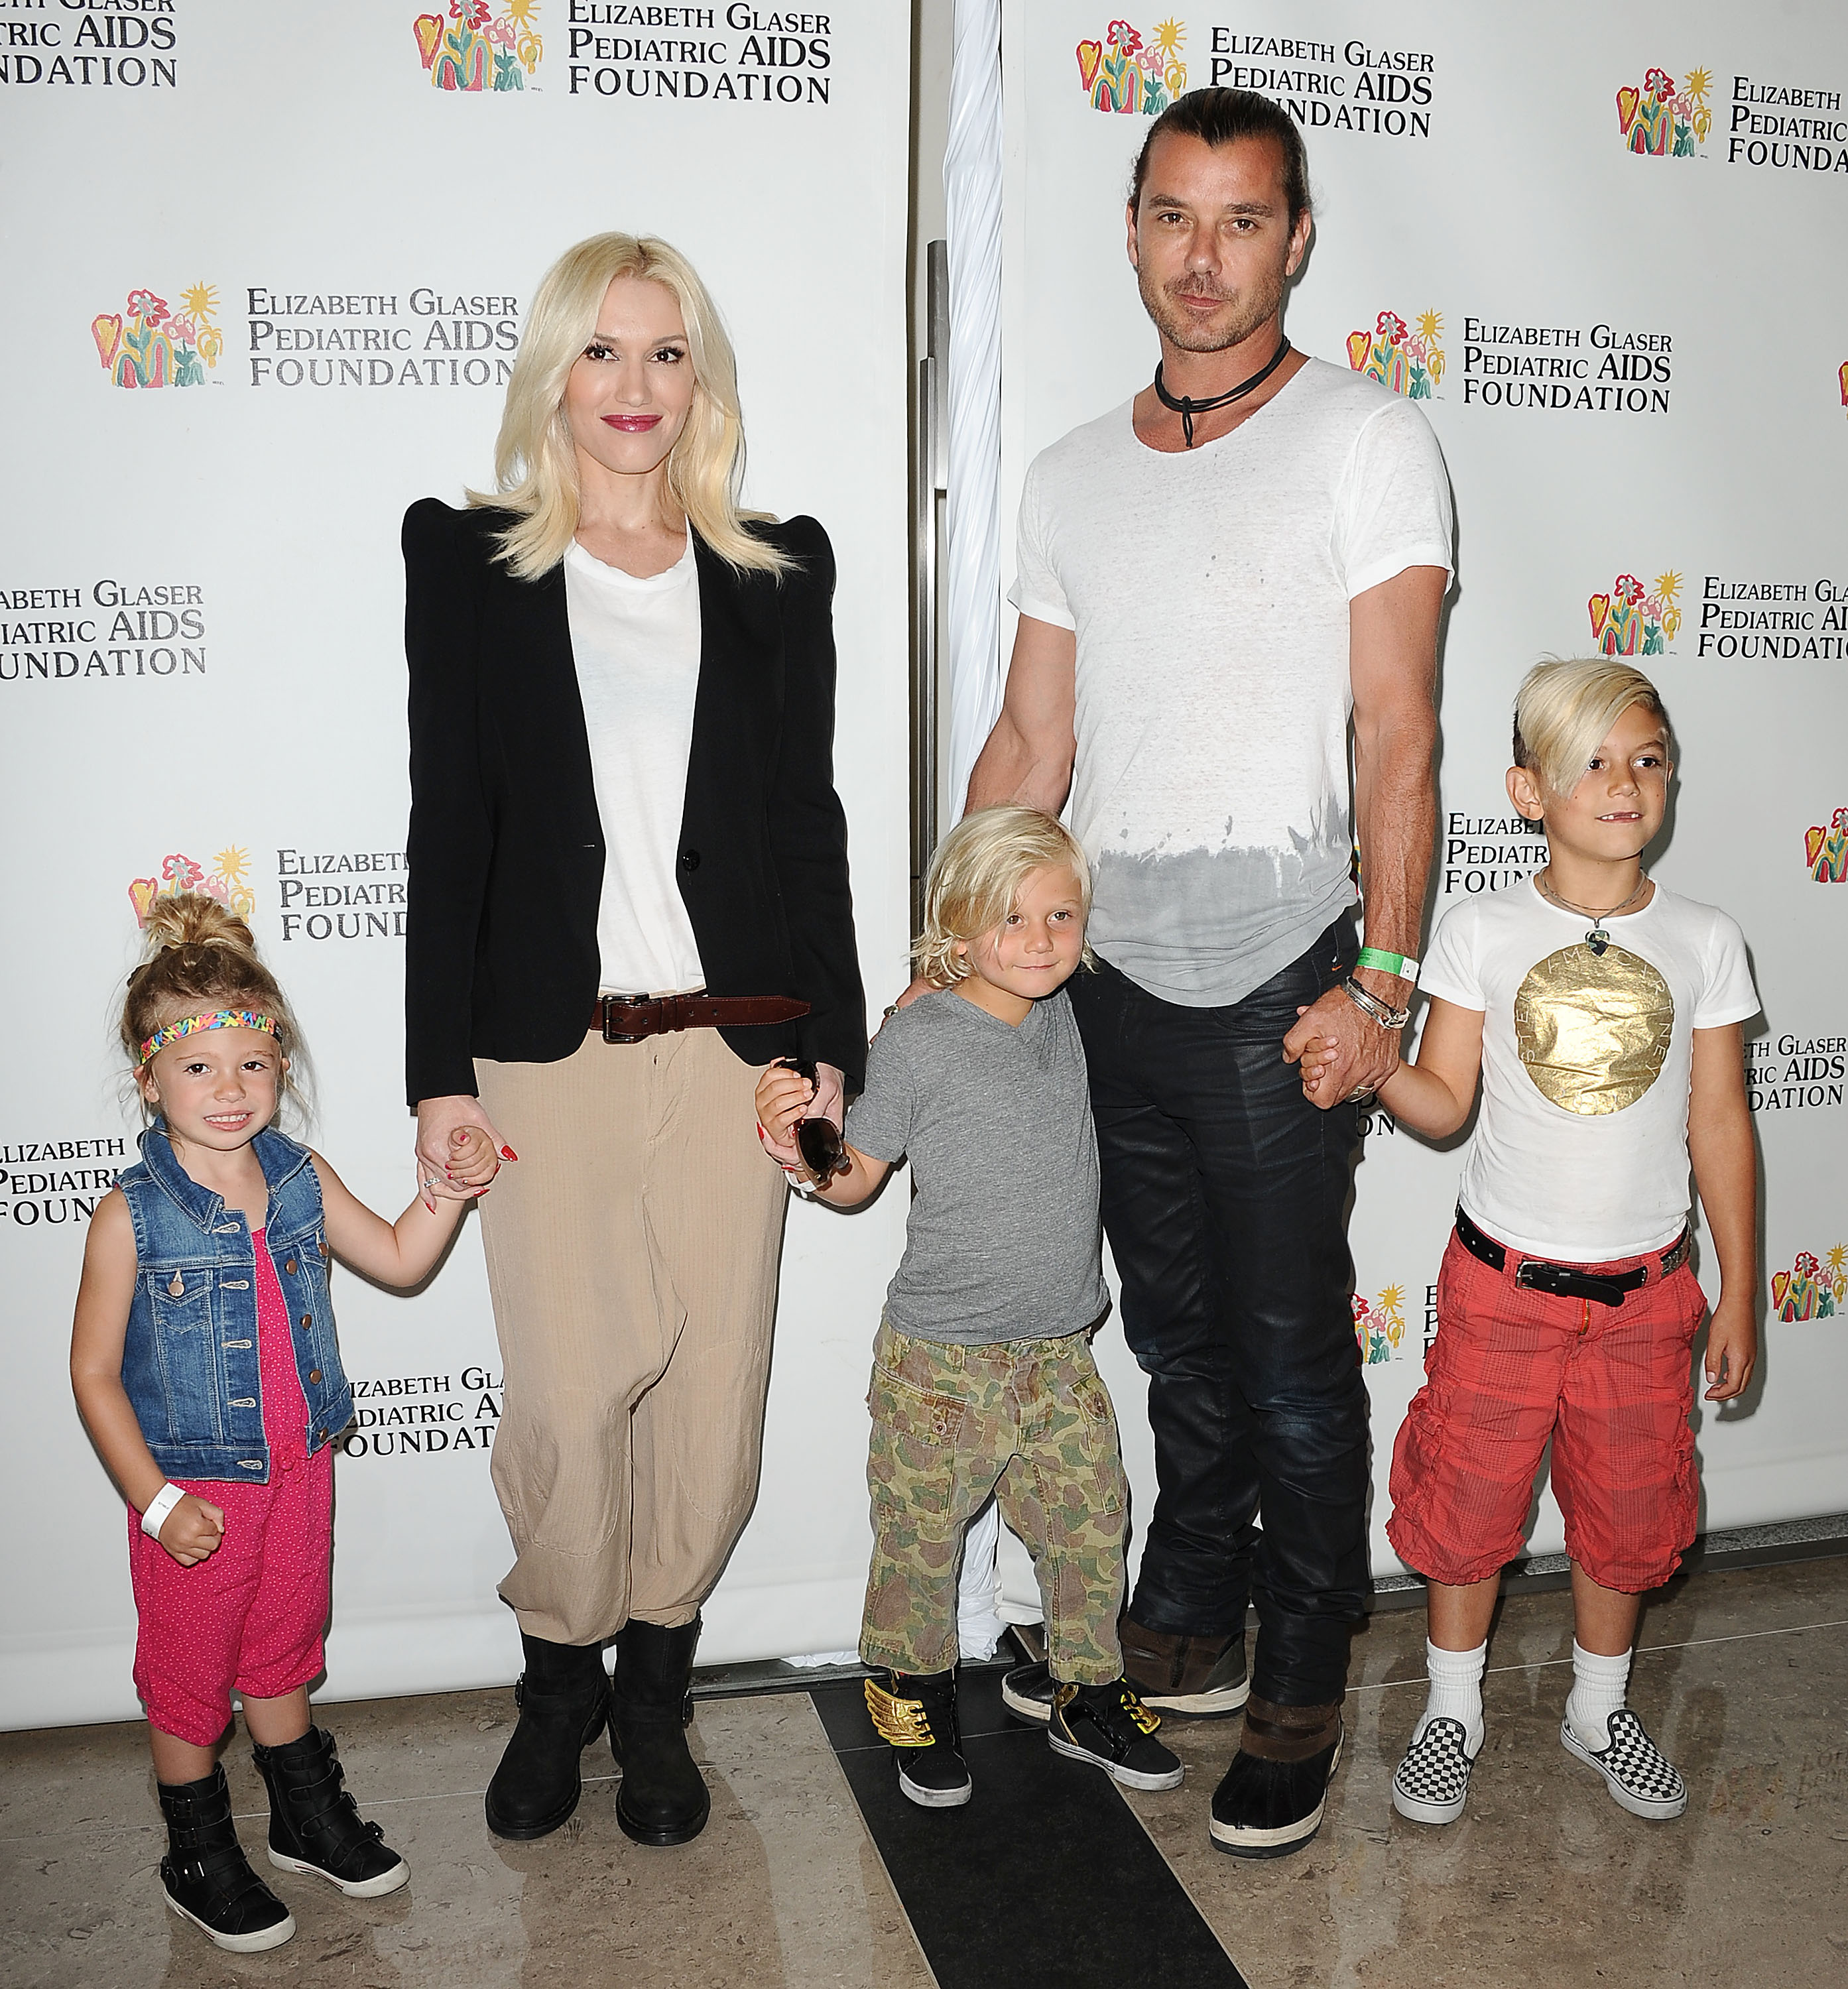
{"type": "Point", "coordinates": [1045, 1877]}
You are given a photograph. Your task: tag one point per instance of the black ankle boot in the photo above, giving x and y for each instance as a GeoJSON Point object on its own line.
{"type": "Point", "coordinates": [208, 1878]}
{"type": "Point", "coordinates": [662, 1800]}
{"type": "Point", "coordinates": [314, 1825]}
{"type": "Point", "coordinates": [564, 1702]}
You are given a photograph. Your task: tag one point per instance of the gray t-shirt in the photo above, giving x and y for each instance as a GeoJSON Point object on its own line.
{"type": "Point", "coordinates": [1002, 1242]}
{"type": "Point", "coordinates": [1210, 592]}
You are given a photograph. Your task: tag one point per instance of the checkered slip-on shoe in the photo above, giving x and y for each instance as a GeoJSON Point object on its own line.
{"type": "Point", "coordinates": [1637, 1773]}
{"type": "Point", "coordinates": [1431, 1783]}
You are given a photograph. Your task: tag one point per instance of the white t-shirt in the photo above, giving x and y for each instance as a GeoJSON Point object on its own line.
{"type": "Point", "coordinates": [636, 644]}
{"type": "Point", "coordinates": [1209, 591]}
{"type": "Point", "coordinates": [1580, 1153]}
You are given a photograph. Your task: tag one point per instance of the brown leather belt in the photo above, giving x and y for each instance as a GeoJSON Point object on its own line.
{"type": "Point", "coordinates": [630, 1018]}
{"type": "Point", "coordinates": [1568, 1281]}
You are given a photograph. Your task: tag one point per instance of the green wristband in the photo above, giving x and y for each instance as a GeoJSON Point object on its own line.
{"type": "Point", "coordinates": [1388, 963]}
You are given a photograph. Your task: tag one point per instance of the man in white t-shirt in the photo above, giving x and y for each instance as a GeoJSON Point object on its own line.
{"type": "Point", "coordinates": [1214, 579]}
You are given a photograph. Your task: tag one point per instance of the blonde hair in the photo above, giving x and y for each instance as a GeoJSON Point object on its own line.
{"type": "Point", "coordinates": [976, 876]}
{"type": "Point", "coordinates": [1564, 709]}
{"type": "Point", "coordinates": [535, 462]}
{"type": "Point", "coordinates": [200, 956]}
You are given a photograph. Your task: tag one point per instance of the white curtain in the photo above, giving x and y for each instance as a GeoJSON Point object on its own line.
{"type": "Point", "coordinates": [971, 179]}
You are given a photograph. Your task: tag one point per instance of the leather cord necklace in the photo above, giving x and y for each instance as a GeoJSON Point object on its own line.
{"type": "Point", "coordinates": [1187, 408]}
{"type": "Point", "coordinates": [1597, 939]}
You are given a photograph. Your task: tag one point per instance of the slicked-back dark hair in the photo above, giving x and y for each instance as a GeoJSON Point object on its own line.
{"type": "Point", "coordinates": [1223, 118]}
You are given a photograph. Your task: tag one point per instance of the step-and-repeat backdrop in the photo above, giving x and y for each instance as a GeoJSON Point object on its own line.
{"type": "Point", "coordinates": [270, 267]}
{"type": "Point", "coordinates": [1601, 248]}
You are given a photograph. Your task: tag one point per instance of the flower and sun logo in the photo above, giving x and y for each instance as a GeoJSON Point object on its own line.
{"type": "Point", "coordinates": [230, 883]}
{"type": "Point", "coordinates": [1123, 72]}
{"type": "Point", "coordinates": [1631, 621]}
{"type": "Point", "coordinates": [474, 47]}
{"type": "Point", "coordinates": [1809, 1289]}
{"type": "Point", "coordinates": [1663, 122]}
{"type": "Point", "coordinates": [1381, 1326]}
{"type": "Point", "coordinates": [1825, 850]}
{"type": "Point", "coordinates": [1411, 363]}
{"type": "Point", "coordinates": [148, 343]}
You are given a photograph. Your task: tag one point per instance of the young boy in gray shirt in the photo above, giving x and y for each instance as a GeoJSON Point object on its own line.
{"type": "Point", "coordinates": [982, 1376]}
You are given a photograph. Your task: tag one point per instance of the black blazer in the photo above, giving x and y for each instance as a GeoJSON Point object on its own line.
{"type": "Point", "coordinates": [506, 849]}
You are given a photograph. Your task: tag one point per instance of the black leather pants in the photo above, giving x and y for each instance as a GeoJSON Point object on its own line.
{"type": "Point", "coordinates": [1225, 1195]}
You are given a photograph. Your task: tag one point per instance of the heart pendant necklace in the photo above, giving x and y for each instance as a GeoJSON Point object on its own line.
{"type": "Point", "coordinates": [1597, 939]}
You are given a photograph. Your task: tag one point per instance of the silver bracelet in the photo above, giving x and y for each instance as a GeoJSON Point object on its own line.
{"type": "Point", "coordinates": [1373, 1007]}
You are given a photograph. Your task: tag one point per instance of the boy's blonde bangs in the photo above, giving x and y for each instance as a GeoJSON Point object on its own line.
{"type": "Point", "coordinates": [1564, 709]}
{"type": "Point", "coordinates": [535, 464]}
{"type": "Point", "coordinates": [976, 875]}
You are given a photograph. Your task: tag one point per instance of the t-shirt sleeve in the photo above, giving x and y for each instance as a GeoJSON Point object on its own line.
{"type": "Point", "coordinates": [1729, 995]}
{"type": "Point", "coordinates": [879, 1121]}
{"type": "Point", "coordinates": [1450, 970]}
{"type": "Point", "coordinates": [1036, 590]}
{"type": "Point", "coordinates": [1394, 511]}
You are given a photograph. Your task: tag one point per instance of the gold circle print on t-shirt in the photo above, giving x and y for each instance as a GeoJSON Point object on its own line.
{"type": "Point", "coordinates": [1594, 1032]}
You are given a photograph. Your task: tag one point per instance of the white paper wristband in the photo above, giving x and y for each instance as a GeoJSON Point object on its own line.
{"type": "Point", "coordinates": [158, 1507]}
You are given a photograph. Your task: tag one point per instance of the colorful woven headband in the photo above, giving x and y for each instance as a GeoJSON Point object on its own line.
{"type": "Point", "coordinates": [220, 1018]}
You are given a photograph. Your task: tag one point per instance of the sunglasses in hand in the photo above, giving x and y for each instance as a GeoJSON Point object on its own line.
{"type": "Point", "coordinates": [819, 1141]}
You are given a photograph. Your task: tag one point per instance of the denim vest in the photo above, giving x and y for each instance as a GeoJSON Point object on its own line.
{"type": "Point", "coordinates": [189, 1361]}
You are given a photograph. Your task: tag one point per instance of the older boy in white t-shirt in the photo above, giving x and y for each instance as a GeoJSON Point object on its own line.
{"type": "Point", "coordinates": [1603, 1014]}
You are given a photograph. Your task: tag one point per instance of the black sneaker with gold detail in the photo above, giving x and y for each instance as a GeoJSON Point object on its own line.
{"type": "Point", "coordinates": [915, 1712]}
{"type": "Point", "coordinates": [1109, 1726]}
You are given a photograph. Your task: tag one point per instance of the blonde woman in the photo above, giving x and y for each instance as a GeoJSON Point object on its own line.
{"type": "Point", "coordinates": [628, 895]}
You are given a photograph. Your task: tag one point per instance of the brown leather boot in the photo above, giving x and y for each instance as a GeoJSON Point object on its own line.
{"type": "Point", "coordinates": [1176, 1673]}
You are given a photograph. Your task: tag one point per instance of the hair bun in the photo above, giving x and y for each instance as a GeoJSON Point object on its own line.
{"type": "Point", "coordinates": [190, 918]}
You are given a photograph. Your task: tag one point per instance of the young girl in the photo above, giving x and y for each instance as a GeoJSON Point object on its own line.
{"type": "Point", "coordinates": [1602, 1014]}
{"type": "Point", "coordinates": [204, 1363]}
{"type": "Point", "coordinates": [982, 1376]}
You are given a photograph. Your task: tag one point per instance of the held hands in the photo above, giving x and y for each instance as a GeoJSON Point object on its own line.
{"type": "Point", "coordinates": [1321, 1056]}
{"type": "Point", "coordinates": [1732, 1350]}
{"type": "Point", "coordinates": [1341, 1050]}
{"type": "Point", "coordinates": [194, 1529]}
{"type": "Point", "coordinates": [782, 1102]}
{"type": "Point", "coordinates": [459, 1153]}
{"type": "Point", "coordinates": [785, 1097]}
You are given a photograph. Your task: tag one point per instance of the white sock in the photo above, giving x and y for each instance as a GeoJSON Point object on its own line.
{"type": "Point", "coordinates": [1456, 1692]}
{"type": "Point", "coordinates": [1598, 1686]}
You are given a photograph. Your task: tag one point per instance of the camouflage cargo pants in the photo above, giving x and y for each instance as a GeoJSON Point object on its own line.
{"type": "Point", "coordinates": [1030, 1421]}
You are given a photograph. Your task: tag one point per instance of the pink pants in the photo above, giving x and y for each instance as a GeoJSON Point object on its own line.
{"type": "Point", "coordinates": [249, 1617]}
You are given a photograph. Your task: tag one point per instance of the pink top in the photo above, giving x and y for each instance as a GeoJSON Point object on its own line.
{"type": "Point", "coordinates": [279, 1383]}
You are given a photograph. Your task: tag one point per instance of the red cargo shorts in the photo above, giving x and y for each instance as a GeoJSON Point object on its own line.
{"type": "Point", "coordinates": [1612, 1386]}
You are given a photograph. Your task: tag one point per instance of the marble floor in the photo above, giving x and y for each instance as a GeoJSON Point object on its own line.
{"type": "Point", "coordinates": [1743, 1677]}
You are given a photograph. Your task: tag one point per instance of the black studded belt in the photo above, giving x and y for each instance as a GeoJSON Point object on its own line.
{"type": "Point", "coordinates": [1568, 1281]}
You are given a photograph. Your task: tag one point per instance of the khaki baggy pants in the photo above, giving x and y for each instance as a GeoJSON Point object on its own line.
{"type": "Point", "coordinates": [631, 1257]}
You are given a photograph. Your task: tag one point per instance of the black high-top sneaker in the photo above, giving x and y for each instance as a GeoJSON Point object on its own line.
{"type": "Point", "coordinates": [1109, 1726]}
{"type": "Point", "coordinates": [915, 1712]}
{"type": "Point", "coordinates": [314, 1825]}
{"type": "Point", "coordinates": [207, 1878]}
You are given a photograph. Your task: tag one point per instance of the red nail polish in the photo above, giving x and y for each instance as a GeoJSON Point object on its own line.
{"type": "Point", "coordinates": [507, 1153]}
